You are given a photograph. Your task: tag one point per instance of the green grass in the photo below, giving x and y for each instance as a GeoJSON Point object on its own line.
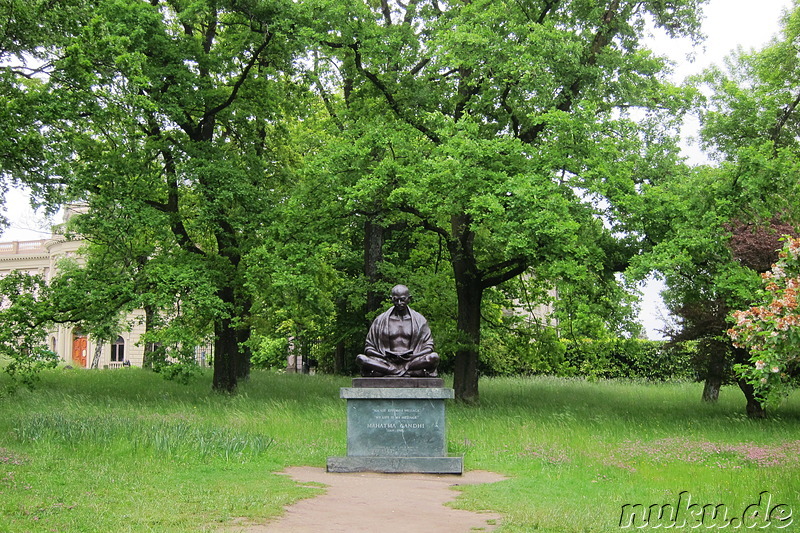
{"type": "Point", "coordinates": [123, 450]}
{"type": "Point", "coordinates": [577, 452]}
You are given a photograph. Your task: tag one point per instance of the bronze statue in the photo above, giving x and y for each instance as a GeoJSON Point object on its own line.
{"type": "Point", "coordinates": [399, 342]}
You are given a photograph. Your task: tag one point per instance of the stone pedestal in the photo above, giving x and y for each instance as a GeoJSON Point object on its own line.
{"type": "Point", "coordinates": [396, 425]}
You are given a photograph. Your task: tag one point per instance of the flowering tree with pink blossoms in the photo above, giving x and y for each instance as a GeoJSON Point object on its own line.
{"type": "Point", "coordinates": [771, 330]}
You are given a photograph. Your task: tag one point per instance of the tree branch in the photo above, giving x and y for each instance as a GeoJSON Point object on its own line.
{"type": "Point", "coordinates": [211, 113]}
{"type": "Point", "coordinates": [569, 94]}
{"type": "Point", "coordinates": [211, 34]}
{"type": "Point", "coordinates": [515, 123]}
{"type": "Point", "coordinates": [387, 12]}
{"type": "Point", "coordinates": [172, 207]}
{"type": "Point", "coordinates": [419, 66]}
{"type": "Point", "coordinates": [504, 271]}
{"type": "Point", "coordinates": [390, 99]}
{"type": "Point", "coordinates": [425, 222]}
{"type": "Point", "coordinates": [776, 132]}
{"type": "Point", "coordinates": [466, 92]}
{"type": "Point", "coordinates": [410, 8]}
{"type": "Point", "coordinates": [549, 6]}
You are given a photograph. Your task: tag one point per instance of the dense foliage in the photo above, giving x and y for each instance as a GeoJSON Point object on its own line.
{"type": "Point", "coordinates": [24, 312]}
{"type": "Point", "coordinates": [502, 128]}
{"type": "Point", "coordinates": [610, 358]}
{"type": "Point", "coordinates": [770, 329]}
{"type": "Point", "coordinates": [166, 119]}
{"type": "Point", "coordinates": [633, 359]}
{"type": "Point", "coordinates": [716, 227]}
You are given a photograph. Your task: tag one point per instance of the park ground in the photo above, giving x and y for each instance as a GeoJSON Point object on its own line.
{"type": "Point", "coordinates": [125, 450]}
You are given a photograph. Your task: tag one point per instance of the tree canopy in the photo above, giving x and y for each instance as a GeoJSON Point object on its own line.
{"type": "Point", "coordinates": [271, 167]}
{"type": "Point", "coordinates": [173, 114]}
{"type": "Point", "coordinates": [505, 129]}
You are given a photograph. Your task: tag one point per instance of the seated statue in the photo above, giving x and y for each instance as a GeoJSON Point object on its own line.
{"type": "Point", "coordinates": [399, 342]}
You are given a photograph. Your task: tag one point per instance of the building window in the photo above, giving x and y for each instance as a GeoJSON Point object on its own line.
{"type": "Point", "coordinates": [118, 350]}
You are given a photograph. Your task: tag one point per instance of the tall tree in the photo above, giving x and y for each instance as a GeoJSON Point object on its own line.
{"type": "Point", "coordinates": [172, 110]}
{"type": "Point", "coordinates": [751, 126]}
{"type": "Point", "coordinates": [718, 227]}
{"type": "Point", "coordinates": [708, 262]}
{"type": "Point", "coordinates": [505, 128]}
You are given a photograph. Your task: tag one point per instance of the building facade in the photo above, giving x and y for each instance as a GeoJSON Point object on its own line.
{"type": "Point", "coordinates": [71, 344]}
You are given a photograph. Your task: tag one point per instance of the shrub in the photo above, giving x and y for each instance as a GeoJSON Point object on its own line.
{"type": "Point", "coordinates": [270, 352]}
{"type": "Point", "coordinates": [770, 330]}
{"type": "Point", "coordinates": [525, 351]}
{"type": "Point", "coordinates": [24, 317]}
{"type": "Point", "coordinates": [542, 352]}
{"type": "Point", "coordinates": [630, 359]}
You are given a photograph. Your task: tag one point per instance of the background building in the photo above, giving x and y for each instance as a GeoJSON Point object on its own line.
{"type": "Point", "coordinates": [67, 340]}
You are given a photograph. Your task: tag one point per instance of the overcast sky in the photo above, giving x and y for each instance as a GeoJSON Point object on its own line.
{"type": "Point", "coordinates": [728, 24]}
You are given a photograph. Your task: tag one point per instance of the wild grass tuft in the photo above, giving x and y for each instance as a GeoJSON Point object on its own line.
{"type": "Point", "coordinates": [125, 434]}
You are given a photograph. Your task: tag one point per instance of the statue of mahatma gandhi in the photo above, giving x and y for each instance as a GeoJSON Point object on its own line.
{"type": "Point", "coordinates": [399, 342]}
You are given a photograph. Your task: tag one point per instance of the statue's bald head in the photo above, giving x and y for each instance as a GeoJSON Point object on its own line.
{"type": "Point", "coordinates": [400, 297]}
{"type": "Point", "coordinates": [399, 289]}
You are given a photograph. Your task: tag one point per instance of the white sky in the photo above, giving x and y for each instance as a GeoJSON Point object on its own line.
{"type": "Point", "coordinates": [728, 24]}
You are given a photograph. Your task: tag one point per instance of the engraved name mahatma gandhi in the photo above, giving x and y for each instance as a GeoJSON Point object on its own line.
{"type": "Point", "coordinates": [399, 342]}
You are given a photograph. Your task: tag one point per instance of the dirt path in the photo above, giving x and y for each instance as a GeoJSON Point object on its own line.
{"type": "Point", "coordinates": [383, 503]}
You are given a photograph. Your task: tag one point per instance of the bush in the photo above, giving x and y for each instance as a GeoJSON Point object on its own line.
{"type": "Point", "coordinates": [630, 359]}
{"type": "Point", "coordinates": [24, 317]}
{"type": "Point", "coordinates": [770, 330]}
{"type": "Point", "coordinates": [538, 352]}
{"type": "Point", "coordinates": [615, 358]}
{"type": "Point", "coordinates": [270, 352]}
{"type": "Point", "coordinates": [174, 363]}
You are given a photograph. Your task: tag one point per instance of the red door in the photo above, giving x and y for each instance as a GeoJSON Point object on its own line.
{"type": "Point", "coordinates": [79, 351]}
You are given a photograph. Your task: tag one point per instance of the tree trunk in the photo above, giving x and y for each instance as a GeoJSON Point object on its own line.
{"type": "Point", "coordinates": [231, 362]}
{"type": "Point", "coordinates": [97, 351]}
{"type": "Point", "coordinates": [469, 293]}
{"type": "Point", "coordinates": [226, 349]}
{"type": "Point", "coordinates": [715, 372]}
{"type": "Point", "coordinates": [373, 256]}
{"type": "Point", "coordinates": [711, 388]}
{"type": "Point", "coordinates": [243, 354]}
{"type": "Point", "coordinates": [754, 408]}
{"type": "Point", "coordinates": [465, 378]}
{"type": "Point", "coordinates": [225, 356]}
{"type": "Point", "coordinates": [338, 358]}
{"type": "Point", "coordinates": [150, 315]}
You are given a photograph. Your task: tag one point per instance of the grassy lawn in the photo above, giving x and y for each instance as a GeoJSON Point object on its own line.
{"type": "Point", "coordinates": [123, 450]}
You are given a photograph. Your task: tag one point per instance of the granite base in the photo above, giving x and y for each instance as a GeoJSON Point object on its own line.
{"type": "Point", "coordinates": [398, 383]}
{"type": "Point", "coordinates": [396, 428]}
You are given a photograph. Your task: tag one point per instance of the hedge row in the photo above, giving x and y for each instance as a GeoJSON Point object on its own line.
{"type": "Point", "coordinates": [544, 355]}
{"type": "Point", "coordinates": [596, 359]}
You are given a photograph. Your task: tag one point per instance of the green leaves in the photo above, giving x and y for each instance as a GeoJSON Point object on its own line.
{"type": "Point", "coordinates": [169, 121]}
{"type": "Point", "coordinates": [25, 315]}
{"type": "Point", "coordinates": [770, 330]}
{"type": "Point", "coordinates": [752, 121]}
{"type": "Point", "coordinates": [501, 128]}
